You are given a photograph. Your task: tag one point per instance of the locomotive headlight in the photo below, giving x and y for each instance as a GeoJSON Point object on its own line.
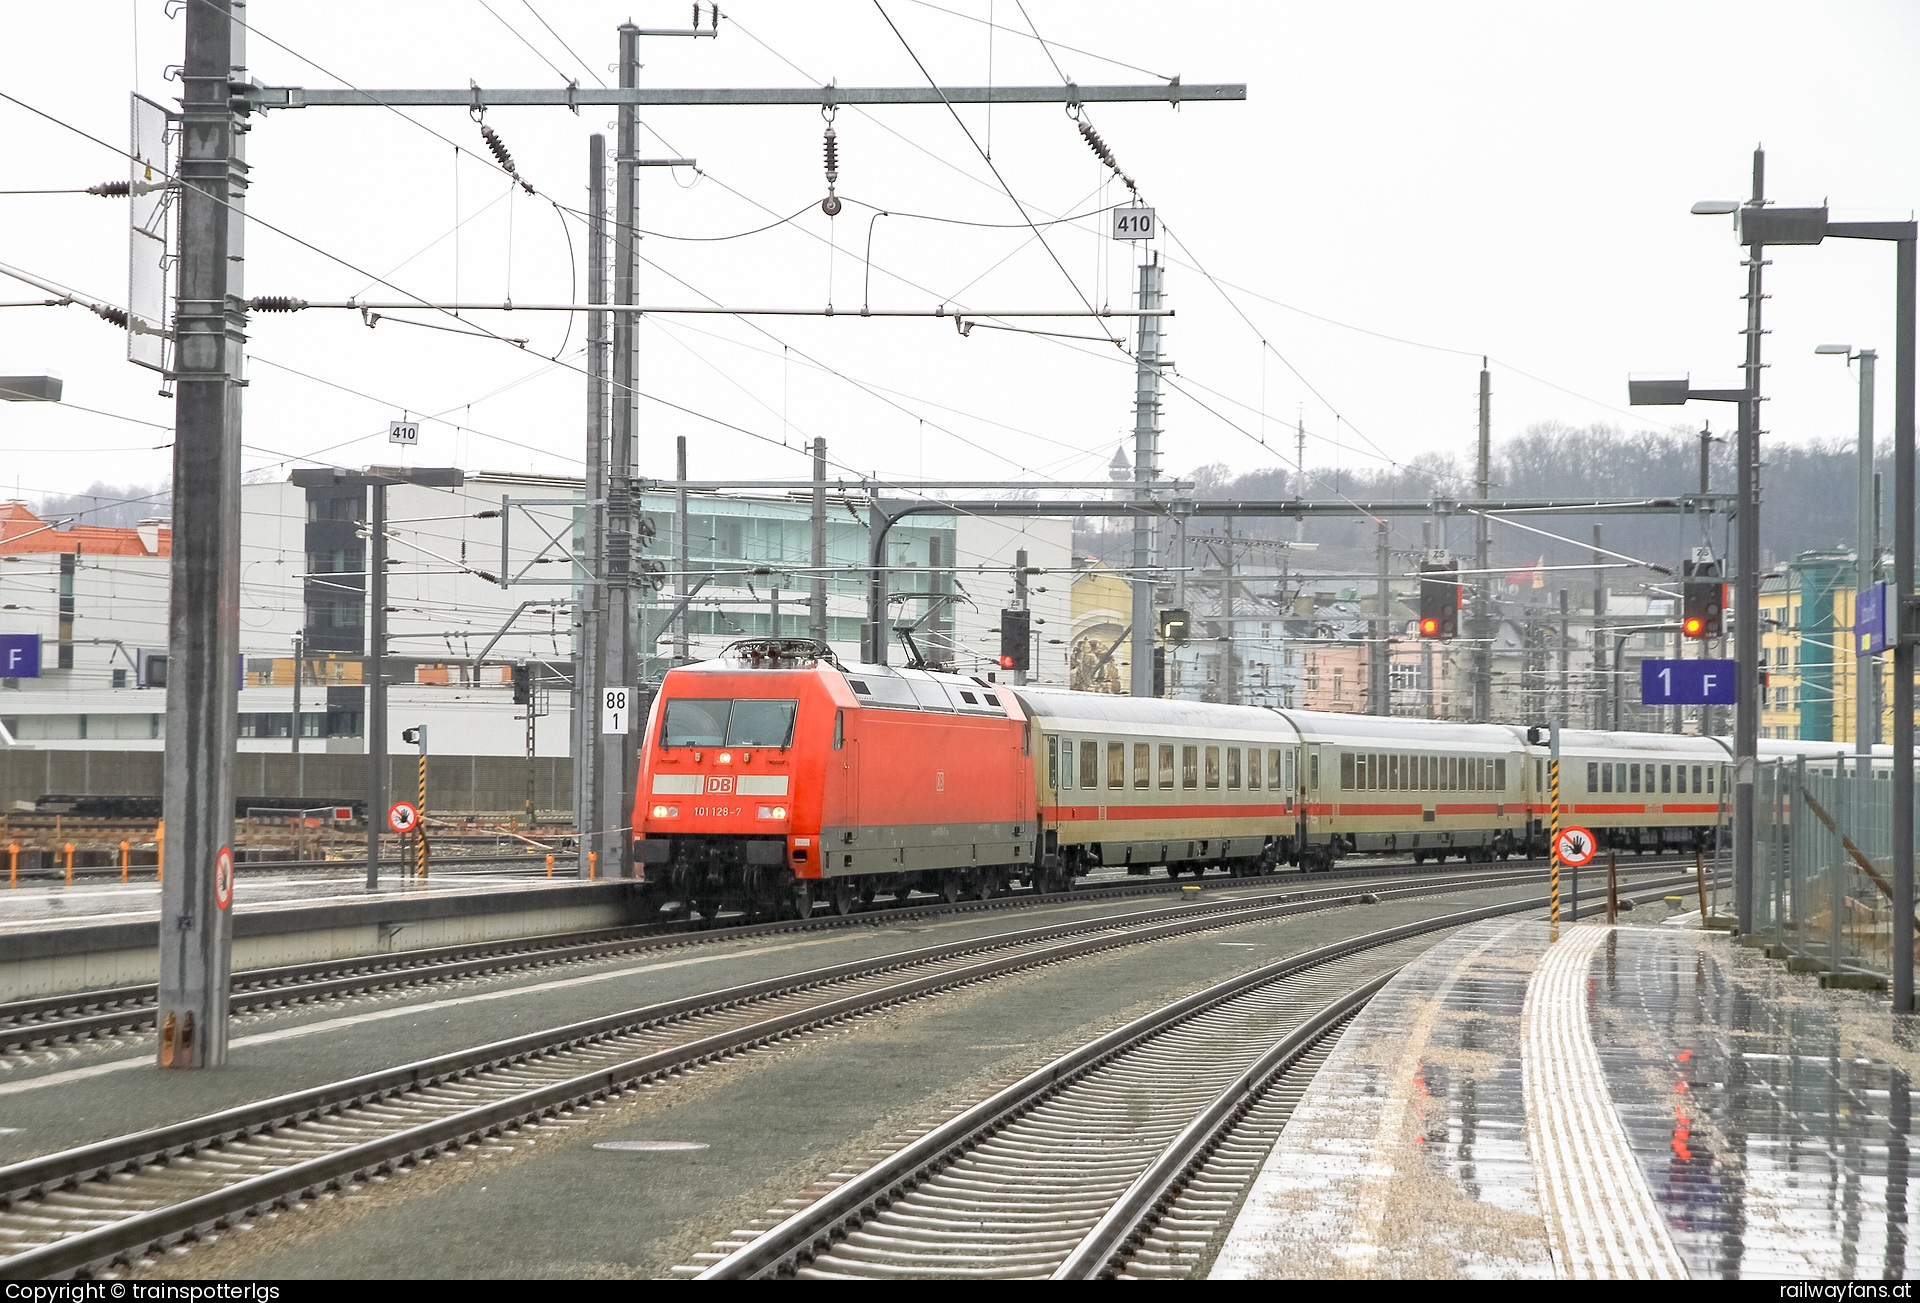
{"type": "Point", "coordinates": [779, 811]}
{"type": "Point", "coordinates": [773, 812]}
{"type": "Point", "coordinates": [725, 758]}
{"type": "Point", "coordinates": [666, 812]}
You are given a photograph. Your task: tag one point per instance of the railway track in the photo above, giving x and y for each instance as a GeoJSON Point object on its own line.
{"type": "Point", "coordinates": [91, 1014]}
{"type": "Point", "coordinates": [1127, 1156]}
{"type": "Point", "coordinates": [83, 1209]}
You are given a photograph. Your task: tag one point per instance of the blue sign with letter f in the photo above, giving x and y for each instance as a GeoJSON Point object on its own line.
{"type": "Point", "coordinates": [19, 655]}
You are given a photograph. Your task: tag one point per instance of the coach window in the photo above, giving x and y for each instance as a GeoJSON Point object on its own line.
{"type": "Point", "coordinates": [1633, 778]}
{"type": "Point", "coordinates": [1275, 757]}
{"type": "Point", "coordinates": [1606, 778]}
{"type": "Point", "coordinates": [1696, 778]}
{"type": "Point", "coordinates": [1313, 771]}
{"type": "Point", "coordinates": [1213, 766]}
{"type": "Point", "coordinates": [1593, 777]}
{"type": "Point", "coordinates": [1396, 772]}
{"type": "Point", "coordinates": [1650, 769]}
{"type": "Point", "coordinates": [1116, 764]}
{"type": "Point", "coordinates": [1253, 769]}
{"type": "Point", "coordinates": [1346, 772]}
{"type": "Point", "coordinates": [1189, 767]}
{"type": "Point", "coordinates": [1089, 763]}
{"type": "Point", "coordinates": [1066, 764]}
{"type": "Point", "coordinates": [1500, 774]}
{"type": "Point", "coordinates": [1142, 762]}
{"type": "Point", "coordinates": [1666, 778]}
{"type": "Point", "coordinates": [1711, 770]}
{"type": "Point", "coordinates": [1233, 768]}
{"type": "Point", "coordinates": [1053, 761]}
{"type": "Point", "coordinates": [1166, 764]}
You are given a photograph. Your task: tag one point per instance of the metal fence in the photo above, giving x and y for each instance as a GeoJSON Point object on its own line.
{"type": "Point", "coordinates": [1823, 867]}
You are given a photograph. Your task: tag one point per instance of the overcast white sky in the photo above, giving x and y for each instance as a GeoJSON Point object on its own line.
{"type": "Point", "coordinates": [1502, 178]}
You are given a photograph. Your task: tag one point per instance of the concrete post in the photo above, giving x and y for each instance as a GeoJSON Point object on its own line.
{"type": "Point", "coordinates": [1866, 677]}
{"type": "Point", "coordinates": [374, 677]}
{"type": "Point", "coordinates": [618, 750]}
{"type": "Point", "coordinates": [196, 924]}
{"type": "Point", "coordinates": [1483, 614]}
{"type": "Point", "coordinates": [1146, 469]}
{"type": "Point", "coordinates": [817, 588]}
{"type": "Point", "coordinates": [1379, 687]}
{"type": "Point", "coordinates": [590, 675]}
{"type": "Point", "coordinates": [682, 552]}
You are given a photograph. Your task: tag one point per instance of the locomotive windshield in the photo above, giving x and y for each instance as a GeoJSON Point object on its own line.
{"type": "Point", "coordinates": [711, 722]}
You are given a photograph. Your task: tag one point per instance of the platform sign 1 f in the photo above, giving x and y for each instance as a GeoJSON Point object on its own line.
{"type": "Point", "coordinates": [1686, 683]}
{"type": "Point", "coordinates": [616, 710]}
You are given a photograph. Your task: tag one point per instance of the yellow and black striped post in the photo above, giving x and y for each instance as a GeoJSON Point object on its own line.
{"type": "Point", "coordinates": [420, 824]}
{"type": "Point", "coordinates": [1553, 836]}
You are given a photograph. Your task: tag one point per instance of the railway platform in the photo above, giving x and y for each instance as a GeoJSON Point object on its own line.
{"type": "Point", "coordinates": [57, 939]}
{"type": "Point", "coordinates": [1595, 1102]}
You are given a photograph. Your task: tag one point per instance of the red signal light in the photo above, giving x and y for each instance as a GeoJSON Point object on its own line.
{"type": "Point", "coordinates": [1006, 662]}
{"type": "Point", "coordinates": [1693, 626]}
{"type": "Point", "coordinates": [1429, 628]}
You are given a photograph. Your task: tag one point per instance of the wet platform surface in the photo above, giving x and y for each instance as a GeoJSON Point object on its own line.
{"type": "Point", "coordinates": [1628, 1102]}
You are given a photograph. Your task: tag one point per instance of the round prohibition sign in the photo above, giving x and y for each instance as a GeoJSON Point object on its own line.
{"type": "Point", "coordinates": [1575, 846]}
{"type": "Point", "coordinates": [403, 816]}
{"type": "Point", "coordinates": [223, 878]}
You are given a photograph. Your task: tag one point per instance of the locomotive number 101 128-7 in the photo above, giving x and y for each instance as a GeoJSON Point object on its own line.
{"type": "Point", "coordinates": [719, 811]}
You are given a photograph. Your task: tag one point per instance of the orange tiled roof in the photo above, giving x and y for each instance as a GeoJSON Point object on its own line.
{"type": "Point", "coordinates": [23, 533]}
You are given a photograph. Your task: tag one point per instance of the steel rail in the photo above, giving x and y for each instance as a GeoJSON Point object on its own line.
{"type": "Point", "coordinates": [815, 1228]}
{"type": "Point", "coordinates": [35, 1182]}
{"type": "Point", "coordinates": [1150, 1191]}
{"type": "Point", "coordinates": [102, 1012]}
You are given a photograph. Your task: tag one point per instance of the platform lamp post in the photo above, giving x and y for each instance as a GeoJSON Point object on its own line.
{"type": "Point", "coordinates": [1866, 680]}
{"type": "Point", "coordinates": [1758, 226]}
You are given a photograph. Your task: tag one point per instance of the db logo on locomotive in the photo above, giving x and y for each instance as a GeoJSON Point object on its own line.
{"type": "Point", "coordinates": [720, 783]}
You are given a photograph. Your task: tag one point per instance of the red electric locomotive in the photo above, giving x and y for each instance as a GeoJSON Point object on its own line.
{"type": "Point", "coordinates": [772, 777]}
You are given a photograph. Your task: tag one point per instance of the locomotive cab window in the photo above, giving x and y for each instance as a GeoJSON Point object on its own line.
{"type": "Point", "coordinates": [760, 723]}
{"type": "Point", "coordinates": [695, 722]}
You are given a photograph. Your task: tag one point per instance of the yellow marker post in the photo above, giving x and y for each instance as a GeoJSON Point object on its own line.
{"type": "Point", "coordinates": [1553, 837]}
{"type": "Point", "coordinates": [593, 864]}
{"type": "Point", "coordinates": [160, 852]}
{"type": "Point", "coordinates": [549, 866]}
{"type": "Point", "coordinates": [13, 864]}
{"type": "Point", "coordinates": [69, 864]}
